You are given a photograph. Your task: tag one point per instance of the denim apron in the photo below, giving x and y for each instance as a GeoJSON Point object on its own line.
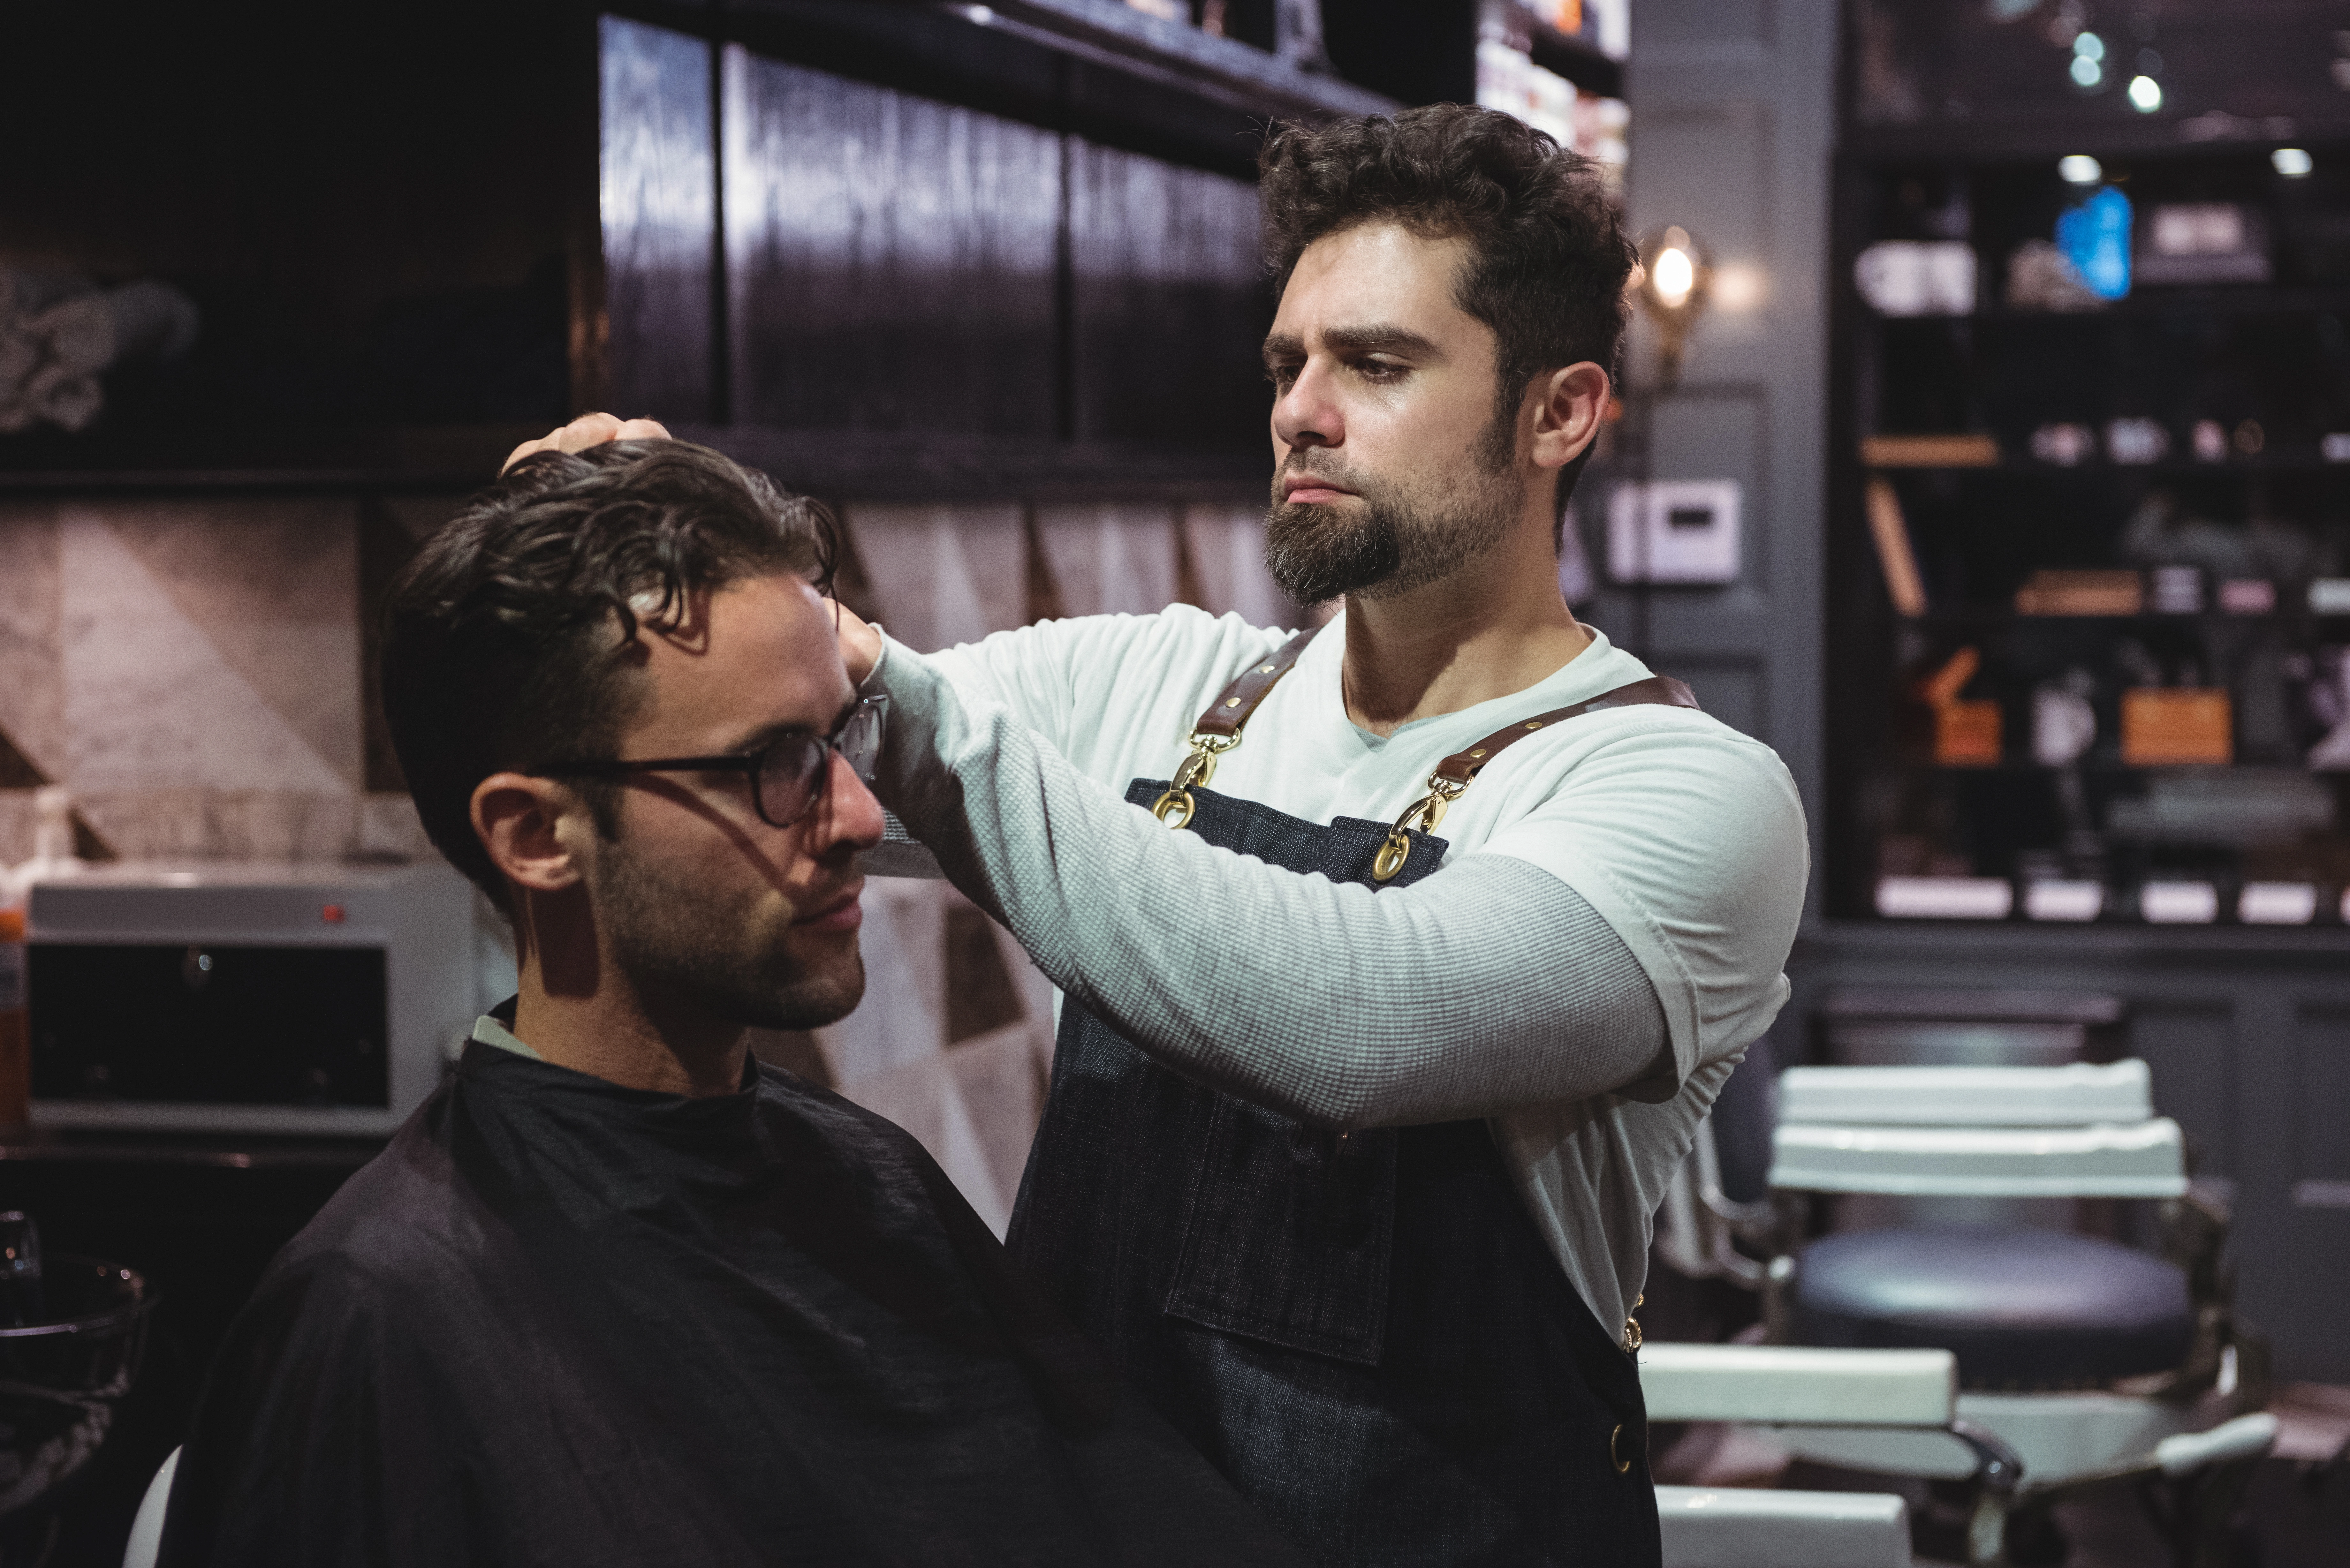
{"type": "Point", "coordinates": [1364, 1332]}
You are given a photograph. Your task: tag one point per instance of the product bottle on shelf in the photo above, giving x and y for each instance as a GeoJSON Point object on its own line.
{"type": "Point", "coordinates": [53, 840]}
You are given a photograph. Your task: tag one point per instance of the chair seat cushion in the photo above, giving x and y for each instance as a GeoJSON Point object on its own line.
{"type": "Point", "coordinates": [2020, 1309]}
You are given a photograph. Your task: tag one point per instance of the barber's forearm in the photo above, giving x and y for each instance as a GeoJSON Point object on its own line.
{"type": "Point", "coordinates": [1237, 973]}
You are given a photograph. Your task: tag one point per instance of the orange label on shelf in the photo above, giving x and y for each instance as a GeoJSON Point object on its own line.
{"type": "Point", "coordinates": [1966, 734]}
{"type": "Point", "coordinates": [2162, 726]}
{"type": "Point", "coordinates": [2081, 593]}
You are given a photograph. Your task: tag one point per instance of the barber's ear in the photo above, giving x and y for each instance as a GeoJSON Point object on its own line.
{"type": "Point", "coordinates": [1570, 407]}
{"type": "Point", "coordinates": [519, 821]}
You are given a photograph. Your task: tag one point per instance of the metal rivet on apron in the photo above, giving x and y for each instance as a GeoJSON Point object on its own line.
{"type": "Point", "coordinates": [1478, 753]}
{"type": "Point", "coordinates": [1231, 702]}
{"type": "Point", "coordinates": [1265, 670]}
{"type": "Point", "coordinates": [1533, 724]}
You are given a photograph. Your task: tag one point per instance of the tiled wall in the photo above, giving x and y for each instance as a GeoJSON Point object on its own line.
{"type": "Point", "coordinates": [191, 669]}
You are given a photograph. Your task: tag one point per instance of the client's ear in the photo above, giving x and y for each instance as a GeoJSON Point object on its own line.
{"type": "Point", "coordinates": [518, 820]}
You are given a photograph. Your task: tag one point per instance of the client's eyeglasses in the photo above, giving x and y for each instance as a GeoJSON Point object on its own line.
{"type": "Point", "coordinates": [788, 774]}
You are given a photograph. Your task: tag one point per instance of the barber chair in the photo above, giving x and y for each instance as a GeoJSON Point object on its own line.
{"type": "Point", "coordinates": [73, 1331]}
{"type": "Point", "coordinates": [2091, 1360]}
{"type": "Point", "coordinates": [1913, 1391]}
{"type": "Point", "coordinates": [146, 1540]}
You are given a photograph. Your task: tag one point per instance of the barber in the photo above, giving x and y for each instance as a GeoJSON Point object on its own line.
{"type": "Point", "coordinates": [1399, 960]}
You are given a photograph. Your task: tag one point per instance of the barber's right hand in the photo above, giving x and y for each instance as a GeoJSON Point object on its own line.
{"type": "Point", "coordinates": [861, 642]}
{"type": "Point", "coordinates": [586, 431]}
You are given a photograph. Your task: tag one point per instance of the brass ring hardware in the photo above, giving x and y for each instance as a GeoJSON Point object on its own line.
{"type": "Point", "coordinates": [1173, 801]}
{"type": "Point", "coordinates": [1615, 1454]}
{"type": "Point", "coordinates": [1195, 771]}
{"type": "Point", "coordinates": [1424, 813]}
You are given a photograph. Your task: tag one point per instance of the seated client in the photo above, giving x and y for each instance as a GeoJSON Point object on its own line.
{"type": "Point", "coordinates": [619, 1291]}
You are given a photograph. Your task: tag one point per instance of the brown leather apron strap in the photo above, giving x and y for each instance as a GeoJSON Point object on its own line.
{"type": "Point", "coordinates": [1657, 691]}
{"type": "Point", "coordinates": [1218, 730]}
{"type": "Point", "coordinates": [1457, 771]}
{"type": "Point", "coordinates": [1232, 709]}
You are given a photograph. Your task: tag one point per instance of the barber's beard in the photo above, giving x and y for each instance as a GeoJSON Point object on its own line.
{"type": "Point", "coordinates": [673, 942]}
{"type": "Point", "coordinates": [1394, 536]}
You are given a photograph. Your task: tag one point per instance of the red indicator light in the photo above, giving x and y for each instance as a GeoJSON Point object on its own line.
{"type": "Point", "coordinates": [331, 913]}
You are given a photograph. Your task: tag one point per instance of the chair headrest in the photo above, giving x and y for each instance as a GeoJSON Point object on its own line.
{"type": "Point", "coordinates": [2079, 1094]}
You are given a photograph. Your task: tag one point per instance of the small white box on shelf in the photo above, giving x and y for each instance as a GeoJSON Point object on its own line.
{"type": "Point", "coordinates": [2277, 903]}
{"type": "Point", "coordinates": [2179, 903]}
{"type": "Point", "coordinates": [2056, 899]}
{"type": "Point", "coordinates": [1945, 898]}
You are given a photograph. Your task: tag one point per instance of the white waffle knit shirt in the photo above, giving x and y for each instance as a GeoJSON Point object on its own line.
{"type": "Point", "coordinates": [1009, 759]}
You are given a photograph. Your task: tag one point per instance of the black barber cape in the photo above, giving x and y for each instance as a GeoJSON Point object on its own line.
{"type": "Point", "coordinates": [561, 1321]}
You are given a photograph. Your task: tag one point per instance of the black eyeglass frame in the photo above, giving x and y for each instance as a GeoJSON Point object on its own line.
{"type": "Point", "coordinates": [752, 762]}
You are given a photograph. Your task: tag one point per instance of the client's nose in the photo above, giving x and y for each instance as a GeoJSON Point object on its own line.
{"type": "Point", "coordinates": [849, 815]}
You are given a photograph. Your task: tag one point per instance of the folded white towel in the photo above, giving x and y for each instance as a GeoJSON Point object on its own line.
{"type": "Point", "coordinates": [141, 321]}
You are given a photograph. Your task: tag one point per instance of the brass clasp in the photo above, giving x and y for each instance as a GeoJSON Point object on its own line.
{"type": "Point", "coordinates": [1195, 771]}
{"type": "Point", "coordinates": [1423, 814]}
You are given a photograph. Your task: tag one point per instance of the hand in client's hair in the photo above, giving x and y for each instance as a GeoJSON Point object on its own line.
{"type": "Point", "coordinates": [586, 431]}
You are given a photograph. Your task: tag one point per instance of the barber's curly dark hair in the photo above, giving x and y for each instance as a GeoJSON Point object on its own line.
{"type": "Point", "coordinates": [1552, 256]}
{"type": "Point", "coordinates": [506, 639]}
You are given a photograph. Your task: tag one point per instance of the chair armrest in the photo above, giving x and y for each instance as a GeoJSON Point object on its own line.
{"type": "Point", "coordinates": [1706, 1527]}
{"type": "Point", "coordinates": [1793, 1386]}
{"type": "Point", "coordinates": [2245, 1438]}
{"type": "Point", "coordinates": [2078, 1094]}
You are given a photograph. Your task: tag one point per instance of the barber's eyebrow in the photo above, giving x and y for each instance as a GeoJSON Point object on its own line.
{"type": "Point", "coordinates": [1379, 337]}
{"type": "Point", "coordinates": [1375, 338]}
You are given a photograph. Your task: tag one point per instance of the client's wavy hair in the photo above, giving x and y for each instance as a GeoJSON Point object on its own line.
{"type": "Point", "coordinates": [507, 640]}
{"type": "Point", "coordinates": [1550, 256]}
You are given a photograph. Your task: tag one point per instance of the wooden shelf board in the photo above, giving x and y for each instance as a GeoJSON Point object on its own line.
{"type": "Point", "coordinates": [863, 465]}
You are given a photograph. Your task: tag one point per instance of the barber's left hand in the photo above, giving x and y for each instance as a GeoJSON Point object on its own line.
{"type": "Point", "coordinates": [586, 431]}
{"type": "Point", "coordinates": [861, 642]}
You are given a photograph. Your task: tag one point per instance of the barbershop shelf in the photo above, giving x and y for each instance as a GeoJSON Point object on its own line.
{"type": "Point", "coordinates": [430, 458]}
{"type": "Point", "coordinates": [2168, 468]}
{"type": "Point", "coordinates": [2034, 943]}
{"type": "Point", "coordinates": [1099, 68]}
{"type": "Point", "coordinates": [837, 464]}
{"type": "Point", "coordinates": [2020, 138]}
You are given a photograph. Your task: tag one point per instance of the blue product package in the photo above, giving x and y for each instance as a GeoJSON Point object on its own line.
{"type": "Point", "coordinates": [2096, 238]}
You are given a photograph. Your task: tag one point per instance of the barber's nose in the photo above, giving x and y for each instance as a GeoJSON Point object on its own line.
{"type": "Point", "coordinates": [1306, 414]}
{"type": "Point", "coordinates": [851, 816]}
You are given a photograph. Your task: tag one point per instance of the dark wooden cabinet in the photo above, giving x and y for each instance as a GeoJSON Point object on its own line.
{"type": "Point", "coordinates": [899, 249]}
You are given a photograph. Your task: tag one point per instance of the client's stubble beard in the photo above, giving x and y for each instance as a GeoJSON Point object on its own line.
{"type": "Point", "coordinates": [673, 939]}
{"type": "Point", "coordinates": [1407, 535]}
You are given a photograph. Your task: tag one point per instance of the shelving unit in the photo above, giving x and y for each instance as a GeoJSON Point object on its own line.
{"type": "Point", "coordinates": [1952, 128]}
{"type": "Point", "coordinates": [2268, 363]}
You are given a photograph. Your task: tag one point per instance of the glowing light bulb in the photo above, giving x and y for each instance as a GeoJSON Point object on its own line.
{"type": "Point", "coordinates": [2145, 94]}
{"type": "Point", "coordinates": [1675, 276]}
{"type": "Point", "coordinates": [2079, 168]}
{"type": "Point", "coordinates": [2086, 72]}
{"type": "Point", "coordinates": [2293, 162]}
